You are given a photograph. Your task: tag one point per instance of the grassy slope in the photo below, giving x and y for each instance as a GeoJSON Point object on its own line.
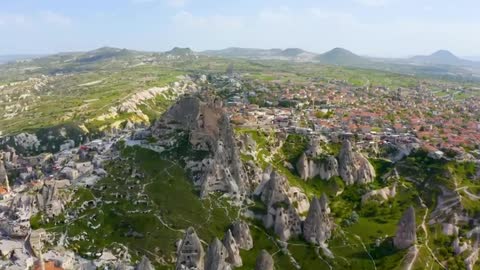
{"type": "Point", "coordinates": [69, 100]}
{"type": "Point", "coordinates": [346, 242]}
{"type": "Point", "coordinates": [168, 195]}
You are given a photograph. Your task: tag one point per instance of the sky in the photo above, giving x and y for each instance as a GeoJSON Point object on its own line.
{"type": "Point", "coordinates": [384, 28]}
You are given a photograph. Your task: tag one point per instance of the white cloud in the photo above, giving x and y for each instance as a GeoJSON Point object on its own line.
{"type": "Point", "coordinates": [185, 19]}
{"type": "Point", "coordinates": [177, 3]}
{"type": "Point", "coordinates": [373, 3]}
{"type": "Point", "coordinates": [428, 8]}
{"type": "Point", "coordinates": [142, 1]}
{"type": "Point", "coordinates": [55, 18]}
{"type": "Point", "coordinates": [12, 19]}
{"type": "Point", "coordinates": [171, 3]}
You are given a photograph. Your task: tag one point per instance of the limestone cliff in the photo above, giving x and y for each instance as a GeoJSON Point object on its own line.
{"type": "Point", "coordinates": [190, 252]}
{"type": "Point", "coordinates": [406, 234]}
{"type": "Point", "coordinates": [264, 261]}
{"type": "Point", "coordinates": [144, 264]}
{"type": "Point", "coordinates": [233, 252]}
{"type": "Point", "coordinates": [318, 226]}
{"type": "Point", "coordinates": [287, 222]}
{"type": "Point", "coordinates": [310, 167]}
{"type": "Point", "coordinates": [3, 175]}
{"type": "Point", "coordinates": [280, 199]}
{"type": "Point", "coordinates": [354, 168]}
{"type": "Point", "coordinates": [242, 235]}
{"type": "Point", "coordinates": [380, 195]}
{"type": "Point", "coordinates": [216, 256]}
{"type": "Point", "coordinates": [209, 131]}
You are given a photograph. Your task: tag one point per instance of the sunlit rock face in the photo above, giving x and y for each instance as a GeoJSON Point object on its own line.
{"type": "Point", "coordinates": [354, 168]}
{"type": "Point", "coordinates": [209, 131]}
{"type": "Point", "coordinates": [406, 234]}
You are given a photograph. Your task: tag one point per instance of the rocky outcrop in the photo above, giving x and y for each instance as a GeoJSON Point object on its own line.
{"type": "Point", "coordinates": [406, 234]}
{"type": "Point", "coordinates": [275, 189]}
{"type": "Point", "coordinates": [52, 197]}
{"type": "Point", "coordinates": [26, 142]}
{"type": "Point", "coordinates": [242, 235]}
{"type": "Point", "coordinates": [318, 226]}
{"type": "Point", "coordinates": [233, 251]}
{"type": "Point", "coordinates": [381, 195]}
{"type": "Point", "coordinates": [286, 222]}
{"type": "Point", "coordinates": [132, 104]}
{"type": "Point", "coordinates": [254, 174]}
{"type": "Point", "coordinates": [216, 256]}
{"type": "Point", "coordinates": [144, 264]}
{"type": "Point", "coordinates": [190, 252]}
{"type": "Point", "coordinates": [449, 229]}
{"type": "Point", "coordinates": [264, 261]}
{"type": "Point", "coordinates": [324, 167]}
{"type": "Point", "coordinates": [247, 144]}
{"type": "Point", "coordinates": [354, 168]}
{"type": "Point", "coordinates": [471, 259]}
{"type": "Point", "coordinates": [209, 132]}
{"type": "Point", "coordinates": [460, 247]}
{"type": "Point", "coordinates": [3, 176]}
{"type": "Point", "coordinates": [280, 199]}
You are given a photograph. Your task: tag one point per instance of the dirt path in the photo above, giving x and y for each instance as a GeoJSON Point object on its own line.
{"type": "Point", "coordinates": [425, 230]}
{"type": "Point", "coordinates": [413, 251]}
{"type": "Point", "coordinates": [469, 194]}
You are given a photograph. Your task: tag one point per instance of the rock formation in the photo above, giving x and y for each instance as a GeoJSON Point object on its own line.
{"type": "Point", "coordinates": [242, 235]}
{"type": "Point", "coordinates": [460, 247]}
{"type": "Point", "coordinates": [3, 176]}
{"type": "Point", "coordinates": [280, 199]}
{"type": "Point", "coordinates": [317, 226]}
{"type": "Point", "coordinates": [264, 261]}
{"type": "Point", "coordinates": [144, 264]}
{"type": "Point", "coordinates": [351, 166]}
{"type": "Point", "coordinates": [26, 142]}
{"type": "Point", "coordinates": [51, 199]}
{"type": "Point", "coordinates": [324, 167]}
{"type": "Point", "coordinates": [406, 234]}
{"type": "Point", "coordinates": [233, 251]}
{"type": "Point", "coordinates": [209, 131]}
{"type": "Point", "coordinates": [275, 189]}
{"type": "Point", "coordinates": [286, 222]}
{"type": "Point", "coordinates": [190, 252]}
{"type": "Point", "coordinates": [216, 256]}
{"type": "Point", "coordinates": [354, 168]}
{"type": "Point", "coordinates": [471, 259]}
{"type": "Point", "coordinates": [247, 144]}
{"type": "Point", "coordinates": [380, 195]}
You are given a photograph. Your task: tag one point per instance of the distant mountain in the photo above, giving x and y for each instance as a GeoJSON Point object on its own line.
{"type": "Point", "coordinates": [337, 56]}
{"type": "Point", "coordinates": [242, 52]}
{"type": "Point", "coordinates": [442, 57]}
{"type": "Point", "coordinates": [287, 54]}
{"type": "Point", "coordinates": [177, 51]}
{"type": "Point", "coordinates": [342, 57]}
{"type": "Point", "coordinates": [18, 57]}
{"type": "Point", "coordinates": [104, 53]}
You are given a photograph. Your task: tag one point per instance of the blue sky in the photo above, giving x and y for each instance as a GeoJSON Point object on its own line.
{"type": "Point", "coordinates": [391, 28]}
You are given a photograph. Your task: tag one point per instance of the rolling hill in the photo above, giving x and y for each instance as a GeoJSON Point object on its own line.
{"type": "Point", "coordinates": [342, 57]}
{"type": "Point", "coordinates": [443, 57]}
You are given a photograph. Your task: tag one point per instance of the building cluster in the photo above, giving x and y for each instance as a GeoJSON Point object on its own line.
{"type": "Point", "coordinates": [377, 114]}
{"type": "Point", "coordinates": [40, 186]}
